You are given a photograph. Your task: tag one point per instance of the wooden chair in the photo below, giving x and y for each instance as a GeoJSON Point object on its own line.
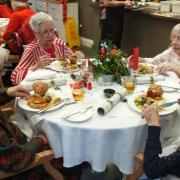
{"type": "Point", "coordinates": [43, 158]}
{"type": "Point", "coordinates": [139, 167]}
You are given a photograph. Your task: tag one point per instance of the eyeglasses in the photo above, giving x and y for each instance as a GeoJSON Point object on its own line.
{"type": "Point", "coordinates": [46, 33]}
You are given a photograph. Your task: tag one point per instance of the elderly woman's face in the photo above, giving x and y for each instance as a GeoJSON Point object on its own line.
{"type": "Point", "coordinates": [175, 41]}
{"type": "Point", "coordinates": [46, 33]}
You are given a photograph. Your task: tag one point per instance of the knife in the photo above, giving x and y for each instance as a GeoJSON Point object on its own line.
{"type": "Point", "coordinates": [170, 103]}
{"type": "Point", "coordinates": [76, 112]}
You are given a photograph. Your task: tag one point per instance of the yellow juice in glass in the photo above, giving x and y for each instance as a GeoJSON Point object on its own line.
{"type": "Point", "coordinates": [130, 86]}
{"type": "Point", "coordinates": [78, 94]}
{"type": "Point", "coordinates": [129, 83]}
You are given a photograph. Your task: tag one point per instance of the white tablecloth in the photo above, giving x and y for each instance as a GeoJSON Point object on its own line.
{"type": "Point", "coordinates": [113, 138]}
{"type": "Point", "coordinates": [3, 24]}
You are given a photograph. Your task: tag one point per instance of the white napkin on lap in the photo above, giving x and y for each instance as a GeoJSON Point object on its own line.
{"type": "Point", "coordinates": [57, 82]}
{"type": "Point", "coordinates": [147, 79]}
{"type": "Point", "coordinates": [39, 75]}
{"type": "Point", "coordinates": [47, 76]}
{"type": "Point", "coordinates": [109, 104]}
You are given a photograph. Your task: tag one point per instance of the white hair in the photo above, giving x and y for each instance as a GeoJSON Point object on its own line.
{"type": "Point", "coordinates": [175, 30]}
{"type": "Point", "coordinates": [16, 4]}
{"type": "Point", "coordinates": [38, 19]}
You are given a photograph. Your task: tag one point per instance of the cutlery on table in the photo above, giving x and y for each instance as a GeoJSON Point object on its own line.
{"type": "Point", "coordinates": [76, 112]}
{"type": "Point", "coordinates": [170, 103]}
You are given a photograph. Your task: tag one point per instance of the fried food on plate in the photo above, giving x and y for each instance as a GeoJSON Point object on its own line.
{"type": "Point", "coordinates": [40, 88]}
{"type": "Point", "coordinates": [145, 69]}
{"type": "Point", "coordinates": [152, 96]}
{"type": "Point", "coordinates": [39, 100]}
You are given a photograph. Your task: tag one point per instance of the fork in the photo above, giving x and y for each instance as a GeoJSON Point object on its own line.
{"type": "Point", "coordinates": [77, 112]}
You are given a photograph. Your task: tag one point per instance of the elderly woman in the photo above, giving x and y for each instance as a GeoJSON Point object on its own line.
{"type": "Point", "coordinates": [16, 153]}
{"type": "Point", "coordinates": [20, 14]}
{"type": "Point", "coordinates": [154, 165]}
{"type": "Point", "coordinates": [169, 60]}
{"type": "Point", "coordinates": [44, 49]}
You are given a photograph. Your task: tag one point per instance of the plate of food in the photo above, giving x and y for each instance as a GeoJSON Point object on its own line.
{"type": "Point", "coordinates": [41, 98]}
{"type": "Point", "coordinates": [154, 95]}
{"type": "Point", "coordinates": [146, 70]}
{"type": "Point", "coordinates": [63, 66]}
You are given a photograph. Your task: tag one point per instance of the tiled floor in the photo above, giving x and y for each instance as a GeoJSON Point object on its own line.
{"type": "Point", "coordinates": [112, 173]}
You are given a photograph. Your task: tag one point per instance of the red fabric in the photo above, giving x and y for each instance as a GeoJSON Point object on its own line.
{"type": "Point", "coordinates": [133, 61]}
{"type": "Point", "coordinates": [5, 12]}
{"type": "Point", "coordinates": [25, 32]}
{"type": "Point", "coordinates": [51, 51]}
{"type": "Point", "coordinates": [16, 20]}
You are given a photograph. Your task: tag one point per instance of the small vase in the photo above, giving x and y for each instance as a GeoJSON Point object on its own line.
{"type": "Point", "coordinates": [108, 79]}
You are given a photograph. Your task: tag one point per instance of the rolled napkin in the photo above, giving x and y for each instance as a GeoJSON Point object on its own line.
{"type": "Point", "coordinates": [109, 104]}
{"type": "Point", "coordinates": [77, 76]}
{"type": "Point", "coordinates": [133, 60]}
{"type": "Point", "coordinates": [40, 74]}
{"type": "Point", "coordinates": [148, 79]}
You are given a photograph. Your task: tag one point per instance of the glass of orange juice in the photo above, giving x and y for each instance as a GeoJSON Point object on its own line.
{"type": "Point", "coordinates": [129, 83]}
{"type": "Point", "coordinates": [77, 92]}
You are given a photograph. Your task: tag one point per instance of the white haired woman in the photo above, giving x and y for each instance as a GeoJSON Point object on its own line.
{"type": "Point", "coordinates": [169, 60]}
{"type": "Point", "coordinates": [43, 49]}
{"type": "Point", "coordinates": [21, 12]}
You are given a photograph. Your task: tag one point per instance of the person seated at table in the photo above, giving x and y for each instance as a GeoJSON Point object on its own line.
{"type": "Point", "coordinates": [155, 166]}
{"type": "Point", "coordinates": [5, 11]}
{"type": "Point", "coordinates": [4, 53]}
{"type": "Point", "coordinates": [16, 153]}
{"type": "Point", "coordinates": [42, 50]}
{"type": "Point", "coordinates": [167, 60]}
{"type": "Point", "coordinates": [21, 12]}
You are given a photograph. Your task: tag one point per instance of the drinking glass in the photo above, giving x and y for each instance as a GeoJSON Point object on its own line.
{"type": "Point", "coordinates": [77, 92]}
{"type": "Point", "coordinates": [129, 83]}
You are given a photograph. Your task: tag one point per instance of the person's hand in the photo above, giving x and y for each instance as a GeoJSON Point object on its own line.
{"type": "Point", "coordinates": [163, 68]}
{"type": "Point", "coordinates": [17, 91]}
{"type": "Point", "coordinates": [43, 62]}
{"type": "Point", "coordinates": [43, 137]}
{"type": "Point", "coordinates": [150, 113]}
{"type": "Point", "coordinates": [73, 59]}
{"type": "Point", "coordinates": [128, 3]}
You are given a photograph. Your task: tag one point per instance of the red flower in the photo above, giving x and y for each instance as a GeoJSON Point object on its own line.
{"type": "Point", "coordinates": [113, 52]}
{"type": "Point", "coordinates": [103, 53]}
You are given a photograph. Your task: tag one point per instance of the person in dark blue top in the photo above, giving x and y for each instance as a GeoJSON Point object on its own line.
{"type": "Point", "coordinates": [155, 166]}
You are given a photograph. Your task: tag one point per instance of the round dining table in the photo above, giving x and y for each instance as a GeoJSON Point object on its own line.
{"type": "Point", "coordinates": [115, 137]}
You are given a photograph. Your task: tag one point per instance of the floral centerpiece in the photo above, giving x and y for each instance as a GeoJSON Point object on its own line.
{"type": "Point", "coordinates": [110, 61]}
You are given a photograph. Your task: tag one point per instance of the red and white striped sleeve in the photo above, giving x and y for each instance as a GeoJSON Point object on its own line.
{"type": "Point", "coordinates": [27, 60]}
{"type": "Point", "coordinates": [64, 51]}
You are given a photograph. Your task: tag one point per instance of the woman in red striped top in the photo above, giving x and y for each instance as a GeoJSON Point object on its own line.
{"type": "Point", "coordinates": [40, 52]}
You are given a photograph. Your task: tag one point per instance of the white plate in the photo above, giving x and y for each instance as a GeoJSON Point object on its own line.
{"type": "Point", "coordinates": [55, 65]}
{"type": "Point", "coordinates": [81, 117]}
{"type": "Point", "coordinates": [154, 74]}
{"type": "Point", "coordinates": [168, 110]}
{"type": "Point", "coordinates": [23, 104]}
{"type": "Point", "coordinates": [168, 89]}
{"type": "Point", "coordinates": [51, 92]}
